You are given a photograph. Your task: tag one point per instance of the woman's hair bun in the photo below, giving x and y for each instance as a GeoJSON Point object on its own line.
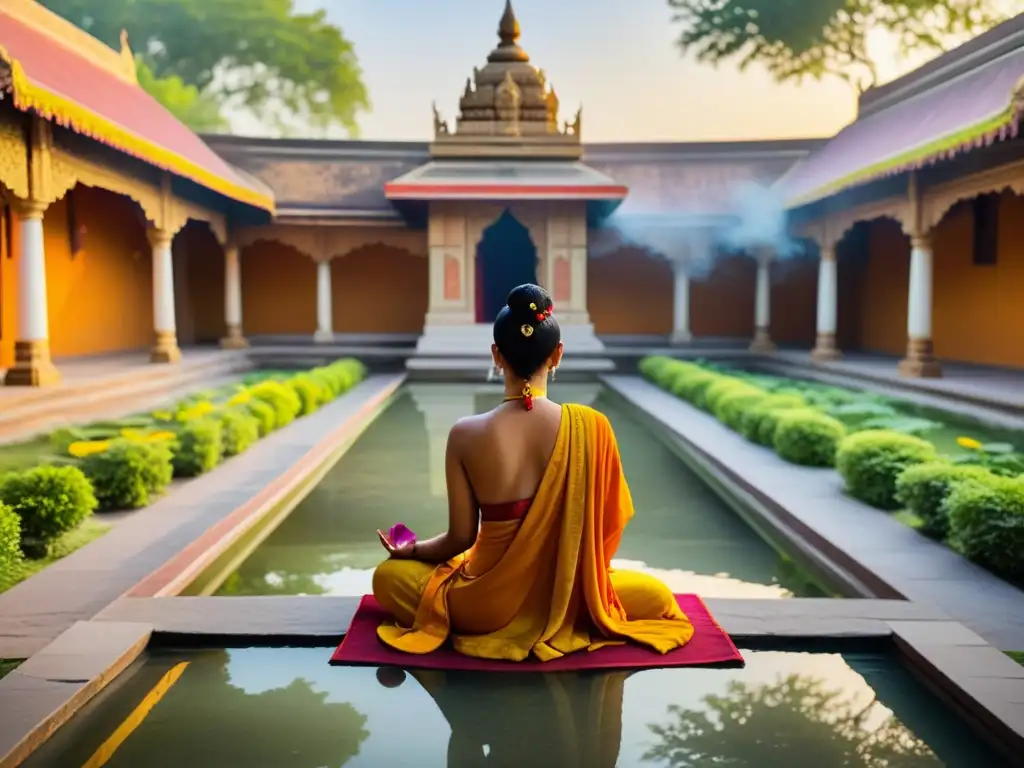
{"type": "Point", "coordinates": [525, 301]}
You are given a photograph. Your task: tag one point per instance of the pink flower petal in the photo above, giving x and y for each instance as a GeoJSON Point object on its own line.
{"type": "Point", "coordinates": [401, 536]}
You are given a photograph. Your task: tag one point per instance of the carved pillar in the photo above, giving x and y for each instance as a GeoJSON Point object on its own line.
{"type": "Point", "coordinates": [165, 345]}
{"type": "Point", "coordinates": [452, 266]}
{"type": "Point", "coordinates": [762, 305]}
{"type": "Point", "coordinates": [828, 297]}
{"type": "Point", "coordinates": [324, 311]}
{"type": "Point", "coordinates": [681, 304]}
{"type": "Point", "coordinates": [920, 361]}
{"type": "Point", "coordinates": [32, 364]}
{"type": "Point", "coordinates": [566, 262]}
{"type": "Point", "coordinates": [234, 338]}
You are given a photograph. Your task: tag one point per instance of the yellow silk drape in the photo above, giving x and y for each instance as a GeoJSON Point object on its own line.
{"type": "Point", "coordinates": [530, 587]}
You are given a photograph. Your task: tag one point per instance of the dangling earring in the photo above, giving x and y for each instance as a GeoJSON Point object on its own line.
{"type": "Point", "coordinates": [494, 373]}
{"type": "Point", "coordinates": [553, 372]}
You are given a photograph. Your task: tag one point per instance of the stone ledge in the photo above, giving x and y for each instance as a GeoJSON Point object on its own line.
{"type": "Point", "coordinates": [43, 693]}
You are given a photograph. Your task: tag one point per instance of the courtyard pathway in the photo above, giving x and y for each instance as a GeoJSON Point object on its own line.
{"type": "Point", "coordinates": [915, 566]}
{"type": "Point", "coordinates": [78, 587]}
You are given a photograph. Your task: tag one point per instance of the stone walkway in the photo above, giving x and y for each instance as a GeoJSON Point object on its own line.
{"type": "Point", "coordinates": [76, 588]}
{"type": "Point", "coordinates": [999, 387]}
{"type": "Point", "coordinates": [915, 566]}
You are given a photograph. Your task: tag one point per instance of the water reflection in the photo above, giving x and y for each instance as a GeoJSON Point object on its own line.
{"type": "Point", "coordinates": [683, 533]}
{"type": "Point", "coordinates": [286, 708]}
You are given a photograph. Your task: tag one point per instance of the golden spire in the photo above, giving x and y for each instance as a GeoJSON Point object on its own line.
{"type": "Point", "coordinates": [508, 27]}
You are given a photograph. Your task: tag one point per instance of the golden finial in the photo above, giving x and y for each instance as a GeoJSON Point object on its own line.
{"type": "Point", "coordinates": [508, 28]}
{"type": "Point", "coordinates": [128, 59]}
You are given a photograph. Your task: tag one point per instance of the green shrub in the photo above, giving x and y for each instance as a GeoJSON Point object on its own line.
{"type": "Point", "coordinates": [10, 541]}
{"type": "Point", "coordinates": [264, 416]}
{"type": "Point", "coordinates": [732, 407]}
{"type": "Point", "coordinates": [871, 462]}
{"type": "Point", "coordinates": [129, 474]}
{"type": "Point", "coordinates": [692, 385]}
{"type": "Point", "coordinates": [986, 522]}
{"type": "Point", "coordinates": [240, 429]}
{"type": "Point", "coordinates": [281, 398]}
{"type": "Point", "coordinates": [50, 501]}
{"type": "Point", "coordinates": [758, 423]}
{"type": "Point", "coordinates": [310, 394]}
{"type": "Point", "coordinates": [722, 388]}
{"type": "Point", "coordinates": [808, 437]}
{"type": "Point", "coordinates": [199, 449]}
{"type": "Point", "coordinates": [924, 488]}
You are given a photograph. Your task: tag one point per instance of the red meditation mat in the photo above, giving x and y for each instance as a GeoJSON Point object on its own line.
{"type": "Point", "coordinates": [709, 646]}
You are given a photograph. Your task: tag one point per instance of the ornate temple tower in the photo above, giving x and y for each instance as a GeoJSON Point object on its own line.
{"type": "Point", "coordinates": [506, 155]}
{"type": "Point", "coordinates": [508, 108]}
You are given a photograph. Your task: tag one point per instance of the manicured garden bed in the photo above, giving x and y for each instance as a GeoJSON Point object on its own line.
{"type": "Point", "coordinates": [965, 492]}
{"type": "Point", "coordinates": [51, 487]}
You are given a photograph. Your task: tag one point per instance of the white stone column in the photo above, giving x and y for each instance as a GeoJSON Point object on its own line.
{"type": "Point", "coordinates": [680, 304]}
{"type": "Point", "coordinates": [165, 330]}
{"type": "Point", "coordinates": [828, 307]}
{"type": "Point", "coordinates": [762, 305]}
{"type": "Point", "coordinates": [234, 338]}
{"type": "Point", "coordinates": [920, 361]}
{"type": "Point", "coordinates": [324, 310]}
{"type": "Point", "coordinates": [32, 364]}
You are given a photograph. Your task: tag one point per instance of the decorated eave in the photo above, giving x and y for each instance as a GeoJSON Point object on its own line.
{"type": "Point", "coordinates": [69, 78]}
{"type": "Point", "coordinates": [506, 181]}
{"type": "Point", "coordinates": [970, 110]}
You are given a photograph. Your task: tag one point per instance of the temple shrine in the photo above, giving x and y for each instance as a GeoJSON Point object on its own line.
{"type": "Point", "coordinates": [122, 230]}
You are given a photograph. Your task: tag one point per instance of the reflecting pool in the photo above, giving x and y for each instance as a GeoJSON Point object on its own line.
{"type": "Point", "coordinates": [286, 708]}
{"type": "Point", "coordinates": [682, 532]}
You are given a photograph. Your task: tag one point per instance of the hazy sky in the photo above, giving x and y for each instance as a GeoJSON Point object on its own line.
{"type": "Point", "coordinates": [615, 56]}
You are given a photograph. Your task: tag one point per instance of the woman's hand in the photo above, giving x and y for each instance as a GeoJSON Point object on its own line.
{"type": "Point", "coordinates": [401, 552]}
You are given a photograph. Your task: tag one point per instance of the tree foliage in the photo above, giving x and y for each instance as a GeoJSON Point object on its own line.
{"type": "Point", "coordinates": [196, 109]}
{"type": "Point", "coordinates": [795, 719]}
{"type": "Point", "coordinates": [814, 38]}
{"type": "Point", "coordinates": [258, 54]}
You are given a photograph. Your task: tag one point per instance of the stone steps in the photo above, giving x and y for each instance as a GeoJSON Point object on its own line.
{"type": "Point", "coordinates": [137, 388]}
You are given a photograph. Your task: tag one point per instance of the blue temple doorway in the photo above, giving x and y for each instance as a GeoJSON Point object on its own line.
{"type": "Point", "coordinates": [505, 257]}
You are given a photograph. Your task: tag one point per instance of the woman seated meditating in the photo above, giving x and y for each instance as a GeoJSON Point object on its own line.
{"type": "Point", "coordinates": [537, 506]}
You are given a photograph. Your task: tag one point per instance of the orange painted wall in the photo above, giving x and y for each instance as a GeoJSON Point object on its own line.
{"type": "Point", "coordinates": [979, 310]}
{"type": "Point", "coordinates": [278, 290]}
{"type": "Point", "coordinates": [100, 299]}
{"type": "Point", "coordinates": [629, 292]}
{"type": "Point", "coordinates": [882, 294]}
{"type": "Point", "coordinates": [203, 258]}
{"type": "Point", "coordinates": [8, 288]}
{"type": "Point", "coordinates": [379, 289]}
{"type": "Point", "coordinates": [722, 304]}
{"type": "Point", "coordinates": [794, 300]}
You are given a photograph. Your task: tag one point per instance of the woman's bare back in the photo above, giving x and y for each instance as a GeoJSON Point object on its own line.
{"type": "Point", "coordinates": [506, 451]}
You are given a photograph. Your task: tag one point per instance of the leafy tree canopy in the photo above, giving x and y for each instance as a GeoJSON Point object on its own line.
{"type": "Point", "coordinates": [800, 38]}
{"type": "Point", "coordinates": [259, 54]}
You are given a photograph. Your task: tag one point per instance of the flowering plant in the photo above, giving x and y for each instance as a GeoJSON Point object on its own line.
{"type": "Point", "coordinates": [1000, 458]}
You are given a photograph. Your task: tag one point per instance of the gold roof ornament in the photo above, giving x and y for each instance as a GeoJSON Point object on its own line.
{"type": "Point", "coordinates": [508, 103]}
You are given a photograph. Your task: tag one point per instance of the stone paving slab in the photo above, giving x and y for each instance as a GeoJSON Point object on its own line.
{"type": "Point", "coordinates": [329, 617]}
{"type": "Point", "coordinates": [920, 569]}
{"type": "Point", "coordinates": [43, 693]}
{"type": "Point", "coordinates": [36, 611]}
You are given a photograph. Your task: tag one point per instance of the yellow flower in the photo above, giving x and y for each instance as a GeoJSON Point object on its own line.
{"type": "Point", "coordinates": [132, 434]}
{"type": "Point", "coordinates": [968, 442]}
{"type": "Point", "coordinates": [84, 448]}
{"type": "Point", "coordinates": [240, 399]}
{"type": "Point", "coordinates": [159, 437]}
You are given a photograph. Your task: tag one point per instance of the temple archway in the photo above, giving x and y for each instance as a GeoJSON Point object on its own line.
{"type": "Point", "coordinates": [505, 257]}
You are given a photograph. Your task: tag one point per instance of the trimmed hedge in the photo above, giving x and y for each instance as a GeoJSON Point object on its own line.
{"type": "Point", "coordinates": [50, 501]}
{"type": "Point", "coordinates": [128, 475]}
{"type": "Point", "coordinates": [240, 429]}
{"type": "Point", "coordinates": [923, 489]}
{"type": "Point", "coordinates": [199, 447]}
{"type": "Point", "coordinates": [10, 541]}
{"type": "Point", "coordinates": [808, 437]}
{"type": "Point", "coordinates": [872, 461]}
{"type": "Point", "coordinates": [281, 398]}
{"type": "Point", "coordinates": [986, 520]}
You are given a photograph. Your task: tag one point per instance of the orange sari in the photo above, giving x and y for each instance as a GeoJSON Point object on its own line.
{"type": "Point", "coordinates": [542, 585]}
